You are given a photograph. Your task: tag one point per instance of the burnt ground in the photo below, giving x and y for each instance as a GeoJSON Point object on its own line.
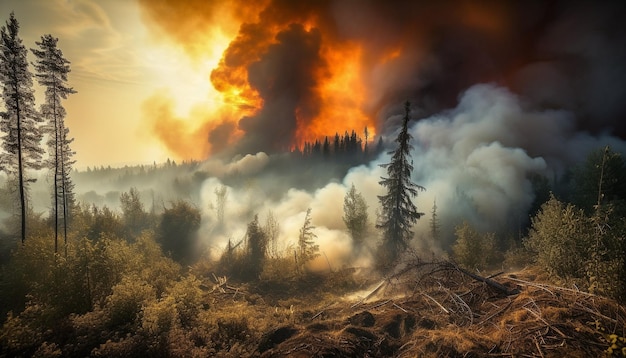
{"type": "Point", "coordinates": [426, 310]}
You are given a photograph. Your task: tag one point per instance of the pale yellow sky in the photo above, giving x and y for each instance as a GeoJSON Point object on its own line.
{"type": "Point", "coordinates": [117, 64]}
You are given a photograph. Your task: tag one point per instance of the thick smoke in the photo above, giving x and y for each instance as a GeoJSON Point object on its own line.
{"type": "Point", "coordinates": [555, 73]}
{"type": "Point", "coordinates": [475, 160]}
{"type": "Point", "coordinates": [559, 54]}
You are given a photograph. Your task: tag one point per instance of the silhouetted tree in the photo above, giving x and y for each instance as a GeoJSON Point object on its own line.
{"type": "Point", "coordinates": [380, 146]}
{"type": "Point", "coordinates": [177, 230]}
{"type": "Point", "coordinates": [336, 145]}
{"type": "Point", "coordinates": [256, 248]}
{"type": "Point", "coordinates": [398, 212]}
{"type": "Point", "coordinates": [599, 180]}
{"type": "Point", "coordinates": [326, 148]}
{"type": "Point", "coordinates": [19, 123]}
{"type": "Point", "coordinates": [52, 69]}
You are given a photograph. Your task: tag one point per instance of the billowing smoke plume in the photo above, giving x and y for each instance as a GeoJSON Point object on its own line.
{"type": "Point", "coordinates": [475, 160]}
{"type": "Point", "coordinates": [299, 70]}
{"type": "Point", "coordinates": [499, 90]}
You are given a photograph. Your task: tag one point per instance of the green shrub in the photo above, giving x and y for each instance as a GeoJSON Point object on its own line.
{"type": "Point", "coordinates": [561, 236]}
{"type": "Point", "coordinates": [159, 317]}
{"type": "Point", "coordinates": [127, 300]}
{"type": "Point", "coordinates": [474, 250]}
{"type": "Point", "coordinates": [188, 298]}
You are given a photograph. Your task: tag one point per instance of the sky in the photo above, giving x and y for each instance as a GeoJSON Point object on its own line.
{"type": "Point", "coordinates": [116, 64]}
{"type": "Point", "coordinates": [193, 79]}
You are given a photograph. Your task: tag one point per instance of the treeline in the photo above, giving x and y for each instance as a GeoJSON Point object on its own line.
{"type": "Point", "coordinates": [349, 147]}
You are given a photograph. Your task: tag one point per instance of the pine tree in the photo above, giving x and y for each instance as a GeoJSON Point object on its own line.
{"type": "Point", "coordinates": [398, 212]}
{"type": "Point", "coordinates": [19, 122]}
{"type": "Point", "coordinates": [306, 247]}
{"type": "Point", "coordinates": [435, 227]}
{"type": "Point", "coordinates": [52, 69]}
{"type": "Point", "coordinates": [256, 247]}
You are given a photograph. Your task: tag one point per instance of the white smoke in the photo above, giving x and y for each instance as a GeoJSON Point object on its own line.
{"type": "Point", "coordinates": [474, 160]}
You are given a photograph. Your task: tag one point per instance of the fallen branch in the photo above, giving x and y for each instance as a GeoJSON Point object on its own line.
{"type": "Point", "coordinates": [545, 287]}
{"type": "Point", "coordinates": [498, 286]}
{"type": "Point", "coordinates": [322, 311]}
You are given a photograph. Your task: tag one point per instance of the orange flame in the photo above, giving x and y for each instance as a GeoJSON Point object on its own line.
{"type": "Point", "coordinates": [342, 95]}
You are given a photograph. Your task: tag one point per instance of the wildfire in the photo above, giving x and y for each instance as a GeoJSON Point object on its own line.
{"type": "Point", "coordinates": [328, 97]}
{"type": "Point", "coordinates": [342, 95]}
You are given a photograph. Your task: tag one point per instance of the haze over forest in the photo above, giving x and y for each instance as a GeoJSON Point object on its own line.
{"type": "Point", "coordinates": [194, 126]}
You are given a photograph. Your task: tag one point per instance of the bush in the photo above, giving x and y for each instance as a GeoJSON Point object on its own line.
{"type": "Point", "coordinates": [188, 298]}
{"type": "Point", "coordinates": [159, 317]}
{"type": "Point", "coordinates": [561, 236]}
{"type": "Point", "coordinates": [473, 250]}
{"type": "Point", "coordinates": [177, 231]}
{"type": "Point", "coordinates": [127, 300]}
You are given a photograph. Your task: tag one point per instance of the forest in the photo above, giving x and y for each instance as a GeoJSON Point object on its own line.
{"type": "Point", "coordinates": [328, 249]}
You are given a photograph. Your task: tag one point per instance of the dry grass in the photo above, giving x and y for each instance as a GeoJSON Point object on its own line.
{"type": "Point", "coordinates": [432, 310]}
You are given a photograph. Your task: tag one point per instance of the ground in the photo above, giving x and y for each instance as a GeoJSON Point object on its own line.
{"type": "Point", "coordinates": [425, 309]}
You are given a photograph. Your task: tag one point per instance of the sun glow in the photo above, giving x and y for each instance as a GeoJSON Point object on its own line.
{"type": "Point", "coordinates": [186, 79]}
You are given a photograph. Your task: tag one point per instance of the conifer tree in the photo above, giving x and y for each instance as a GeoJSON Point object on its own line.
{"type": "Point", "coordinates": [355, 214]}
{"type": "Point", "coordinates": [398, 213]}
{"type": "Point", "coordinates": [435, 227]}
{"type": "Point", "coordinates": [256, 247]}
{"type": "Point", "coordinates": [20, 121]}
{"type": "Point", "coordinates": [51, 73]}
{"type": "Point", "coordinates": [308, 250]}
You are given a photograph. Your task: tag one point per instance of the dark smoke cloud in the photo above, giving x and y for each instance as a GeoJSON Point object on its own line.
{"type": "Point", "coordinates": [284, 78]}
{"type": "Point", "coordinates": [565, 55]}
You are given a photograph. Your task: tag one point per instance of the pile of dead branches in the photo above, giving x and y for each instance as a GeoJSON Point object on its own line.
{"type": "Point", "coordinates": [439, 309]}
{"type": "Point", "coordinates": [509, 315]}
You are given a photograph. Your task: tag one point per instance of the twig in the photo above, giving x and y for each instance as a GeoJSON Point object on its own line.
{"type": "Point", "coordinates": [330, 269]}
{"type": "Point", "coordinates": [438, 304]}
{"type": "Point", "coordinates": [402, 309]}
{"type": "Point", "coordinates": [586, 309]}
{"type": "Point", "coordinates": [545, 287]}
{"type": "Point", "coordinates": [380, 285]}
{"type": "Point", "coordinates": [322, 311]}
{"type": "Point", "coordinates": [382, 304]}
{"type": "Point", "coordinates": [496, 274]}
{"type": "Point", "coordinates": [538, 347]}
{"type": "Point", "coordinates": [463, 303]}
{"type": "Point", "coordinates": [546, 322]}
{"type": "Point", "coordinates": [495, 313]}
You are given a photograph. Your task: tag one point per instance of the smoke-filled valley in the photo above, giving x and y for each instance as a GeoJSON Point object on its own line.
{"type": "Point", "coordinates": [376, 179]}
